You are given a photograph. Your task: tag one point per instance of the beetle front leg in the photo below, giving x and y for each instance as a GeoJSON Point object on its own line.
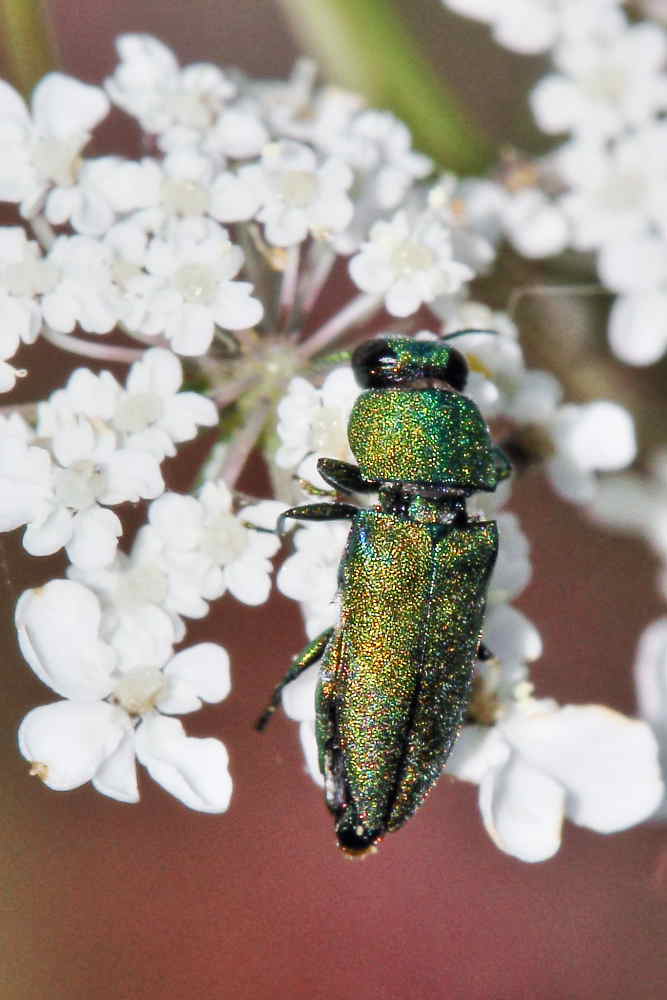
{"type": "Point", "coordinates": [309, 655]}
{"type": "Point", "coordinates": [317, 512]}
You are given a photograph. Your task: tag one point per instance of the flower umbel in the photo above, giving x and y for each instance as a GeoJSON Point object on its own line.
{"type": "Point", "coordinates": [216, 287]}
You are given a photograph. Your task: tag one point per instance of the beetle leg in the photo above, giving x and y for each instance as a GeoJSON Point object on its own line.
{"type": "Point", "coordinates": [317, 512]}
{"type": "Point", "coordinates": [484, 653]}
{"type": "Point", "coordinates": [344, 476]}
{"type": "Point", "coordinates": [312, 652]}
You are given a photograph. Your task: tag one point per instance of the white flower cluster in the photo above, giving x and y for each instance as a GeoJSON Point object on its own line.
{"type": "Point", "coordinates": [605, 189]}
{"type": "Point", "coordinates": [217, 248]}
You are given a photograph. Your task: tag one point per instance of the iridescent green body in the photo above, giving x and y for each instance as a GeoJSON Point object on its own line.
{"type": "Point", "coordinates": [428, 436]}
{"type": "Point", "coordinates": [396, 670]}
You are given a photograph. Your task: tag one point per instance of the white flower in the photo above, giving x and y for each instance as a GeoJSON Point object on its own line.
{"type": "Point", "coordinates": [615, 193]}
{"type": "Point", "coordinates": [310, 574]}
{"type": "Point", "coordinates": [151, 414]}
{"type": "Point", "coordinates": [105, 188]}
{"type": "Point", "coordinates": [313, 422]}
{"type": "Point", "coordinates": [213, 550]}
{"type": "Point", "coordinates": [530, 26]}
{"type": "Point", "coordinates": [24, 277]}
{"type": "Point", "coordinates": [84, 293]}
{"type": "Point", "coordinates": [494, 353]}
{"type": "Point", "coordinates": [638, 269]}
{"type": "Point", "coordinates": [605, 83]}
{"type": "Point", "coordinates": [39, 150]}
{"type": "Point", "coordinates": [299, 195]}
{"type": "Point", "coordinates": [189, 288]}
{"type": "Point", "coordinates": [540, 764]}
{"type": "Point", "coordinates": [583, 438]}
{"type": "Point", "coordinates": [536, 226]}
{"type": "Point", "coordinates": [113, 711]}
{"type": "Point", "coordinates": [408, 263]}
{"type": "Point", "coordinates": [177, 104]}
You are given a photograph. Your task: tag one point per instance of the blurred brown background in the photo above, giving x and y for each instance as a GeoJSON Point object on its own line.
{"type": "Point", "coordinates": [152, 901]}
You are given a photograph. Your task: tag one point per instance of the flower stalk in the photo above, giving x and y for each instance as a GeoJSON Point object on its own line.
{"type": "Point", "coordinates": [28, 42]}
{"type": "Point", "coordinates": [368, 48]}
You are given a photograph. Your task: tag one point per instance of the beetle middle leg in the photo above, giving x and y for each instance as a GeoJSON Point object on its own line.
{"type": "Point", "coordinates": [309, 655]}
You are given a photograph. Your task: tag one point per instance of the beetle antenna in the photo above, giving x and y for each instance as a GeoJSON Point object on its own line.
{"type": "Point", "coordinates": [464, 333]}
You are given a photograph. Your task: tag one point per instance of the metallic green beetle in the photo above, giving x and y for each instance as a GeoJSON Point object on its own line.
{"type": "Point", "coordinates": [396, 671]}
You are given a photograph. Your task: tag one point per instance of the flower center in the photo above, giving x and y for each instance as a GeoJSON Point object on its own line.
{"type": "Point", "coordinates": [197, 284]}
{"type": "Point", "coordinates": [137, 411]}
{"type": "Point", "coordinates": [298, 187]}
{"type": "Point", "coordinates": [139, 689]}
{"type": "Point", "coordinates": [184, 197]}
{"type": "Point", "coordinates": [79, 486]}
{"type": "Point", "coordinates": [607, 82]}
{"type": "Point", "coordinates": [139, 586]}
{"type": "Point", "coordinates": [225, 539]}
{"type": "Point", "coordinates": [410, 256]}
{"type": "Point", "coordinates": [189, 109]}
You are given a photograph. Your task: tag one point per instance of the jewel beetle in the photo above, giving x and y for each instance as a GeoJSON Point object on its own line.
{"type": "Point", "coordinates": [395, 672]}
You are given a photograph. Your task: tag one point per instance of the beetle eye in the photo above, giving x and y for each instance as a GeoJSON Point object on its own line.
{"type": "Point", "coordinates": [374, 364]}
{"type": "Point", "coordinates": [455, 372]}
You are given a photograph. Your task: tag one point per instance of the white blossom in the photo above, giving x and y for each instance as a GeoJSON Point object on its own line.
{"type": "Point", "coordinates": [213, 551]}
{"type": "Point", "coordinates": [535, 224]}
{"type": "Point", "coordinates": [24, 277]}
{"type": "Point", "coordinates": [313, 422]}
{"type": "Point", "coordinates": [530, 26]}
{"type": "Point", "coordinates": [188, 287]}
{"type": "Point", "coordinates": [541, 763]}
{"type": "Point", "coordinates": [151, 414]}
{"type": "Point", "coordinates": [84, 293]}
{"type": "Point", "coordinates": [114, 709]}
{"type": "Point", "coordinates": [408, 263]}
{"type": "Point", "coordinates": [295, 194]}
{"type": "Point", "coordinates": [615, 194]}
{"type": "Point", "coordinates": [604, 84]}
{"type": "Point", "coordinates": [177, 104]}
{"type": "Point", "coordinates": [39, 148]}
{"type": "Point", "coordinates": [309, 575]}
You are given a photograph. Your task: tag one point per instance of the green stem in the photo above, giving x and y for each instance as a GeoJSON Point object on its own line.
{"type": "Point", "coordinates": [28, 42]}
{"type": "Point", "coordinates": [365, 45]}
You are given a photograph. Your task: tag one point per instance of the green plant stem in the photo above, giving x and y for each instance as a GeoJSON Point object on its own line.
{"type": "Point", "coordinates": [28, 42]}
{"type": "Point", "coordinates": [364, 45]}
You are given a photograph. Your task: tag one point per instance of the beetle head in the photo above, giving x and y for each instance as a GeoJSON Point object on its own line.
{"type": "Point", "coordinates": [393, 362]}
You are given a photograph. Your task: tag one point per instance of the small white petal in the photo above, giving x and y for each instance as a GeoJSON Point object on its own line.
{"type": "Point", "coordinates": [132, 475]}
{"type": "Point", "coordinates": [58, 632]}
{"type": "Point", "coordinates": [117, 776]}
{"type": "Point", "coordinates": [71, 740]}
{"type": "Point", "coordinates": [63, 106]}
{"type": "Point", "coordinates": [522, 810]}
{"type": "Point", "coordinates": [193, 770]}
{"type": "Point", "coordinates": [48, 534]}
{"type": "Point", "coordinates": [94, 541]}
{"type": "Point", "coordinates": [607, 762]}
{"type": "Point", "coordinates": [199, 673]}
{"type": "Point", "coordinates": [299, 696]}
{"type": "Point", "coordinates": [477, 750]}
